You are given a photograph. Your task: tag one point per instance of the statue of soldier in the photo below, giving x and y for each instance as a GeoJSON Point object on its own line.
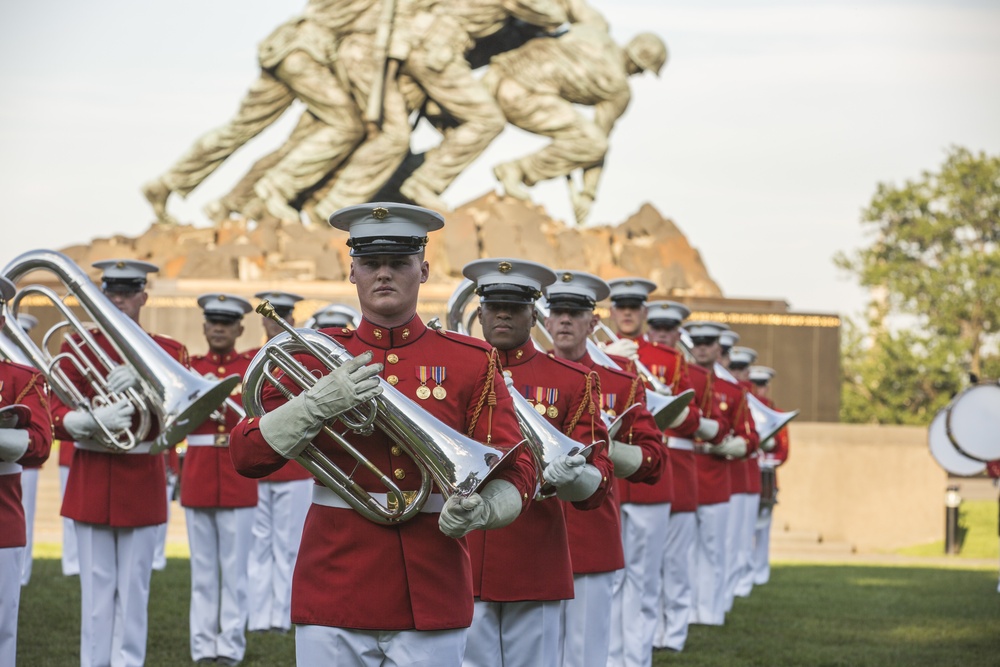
{"type": "Point", "coordinates": [537, 86]}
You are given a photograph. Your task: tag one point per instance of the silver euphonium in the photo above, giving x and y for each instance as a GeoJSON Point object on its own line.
{"type": "Point", "coordinates": [767, 421]}
{"type": "Point", "coordinates": [458, 464]}
{"type": "Point", "coordinates": [664, 407]}
{"type": "Point", "coordinates": [179, 399]}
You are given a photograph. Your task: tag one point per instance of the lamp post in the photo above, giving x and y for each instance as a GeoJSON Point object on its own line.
{"type": "Point", "coordinates": [952, 501]}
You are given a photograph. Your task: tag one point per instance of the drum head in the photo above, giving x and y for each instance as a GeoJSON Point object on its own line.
{"type": "Point", "coordinates": [973, 422]}
{"type": "Point", "coordinates": [946, 454]}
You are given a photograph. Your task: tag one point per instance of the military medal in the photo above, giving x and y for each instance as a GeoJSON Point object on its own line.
{"type": "Point", "coordinates": [539, 405]}
{"type": "Point", "coordinates": [608, 402]}
{"type": "Point", "coordinates": [423, 391]}
{"type": "Point", "coordinates": [438, 373]}
{"type": "Point", "coordinates": [551, 396]}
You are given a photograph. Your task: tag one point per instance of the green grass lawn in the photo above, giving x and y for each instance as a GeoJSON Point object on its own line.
{"type": "Point", "coordinates": [807, 615]}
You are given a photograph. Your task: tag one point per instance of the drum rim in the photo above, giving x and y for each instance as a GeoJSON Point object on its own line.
{"type": "Point", "coordinates": [948, 420]}
{"type": "Point", "coordinates": [935, 452]}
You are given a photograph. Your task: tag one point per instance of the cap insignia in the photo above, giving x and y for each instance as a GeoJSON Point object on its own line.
{"type": "Point", "coordinates": [120, 265]}
{"type": "Point", "coordinates": [566, 277]}
{"type": "Point", "coordinates": [380, 212]}
{"type": "Point", "coordinates": [629, 283]}
{"type": "Point", "coordinates": [504, 267]}
{"type": "Point", "coordinates": [222, 297]}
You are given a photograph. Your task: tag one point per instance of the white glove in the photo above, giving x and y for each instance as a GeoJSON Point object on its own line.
{"type": "Point", "coordinates": [573, 478]}
{"type": "Point", "coordinates": [289, 428]}
{"type": "Point", "coordinates": [121, 378]}
{"type": "Point", "coordinates": [707, 429]}
{"type": "Point", "coordinates": [769, 444]}
{"type": "Point", "coordinates": [82, 425]}
{"type": "Point", "coordinates": [497, 506]}
{"type": "Point", "coordinates": [680, 418]}
{"type": "Point", "coordinates": [627, 458]}
{"type": "Point", "coordinates": [13, 443]}
{"type": "Point", "coordinates": [623, 347]}
{"type": "Point", "coordinates": [733, 446]}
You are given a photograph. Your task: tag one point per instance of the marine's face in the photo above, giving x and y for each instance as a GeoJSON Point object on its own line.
{"type": "Point", "coordinates": [388, 286]}
{"type": "Point", "coordinates": [506, 325]}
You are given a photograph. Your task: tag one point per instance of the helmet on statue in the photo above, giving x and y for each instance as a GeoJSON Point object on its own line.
{"type": "Point", "coordinates": [647, 51]}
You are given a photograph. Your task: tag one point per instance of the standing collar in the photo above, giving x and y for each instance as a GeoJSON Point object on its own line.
{"type": "Point", "coordinates": [386, 337]}
{"type": "Point", "coordinates": [518, 355]}
{"type": "Point", "coordinates": [215, 357]}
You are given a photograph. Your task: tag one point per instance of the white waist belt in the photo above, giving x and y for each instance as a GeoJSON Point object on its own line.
{"type": "Point", "coordinates": [9, 468]}
{"type": "Point", "coordinates": [205, 440]}
{"type": "Point", "coordinates": [326, 497]}
{"type": "Point", "coordinates": [680, 443]}
{"type": "Point", "coordinates": [94, 446]}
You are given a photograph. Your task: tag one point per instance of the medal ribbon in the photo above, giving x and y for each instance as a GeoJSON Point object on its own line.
{"type": "Point", "coordinates": [422, 374]}
{"type": "Point", "coordinates": [539, 392]}
{"type": "Point", "coordinates": [438, 372]}
{"type": "Point", "coordinates": [551, 395]}
{"type": "Point", "coordinates": [608, 401]}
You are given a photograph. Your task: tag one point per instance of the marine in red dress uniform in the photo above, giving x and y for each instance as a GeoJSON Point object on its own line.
{"type": "Point", "coordinates": [355, 580]}
{"type": "Point", "coordinates": [745, 475]}
{"type": "Point", "coordinates": [595, 537]}
{"type": "Point", "coordinates": [517, 613]}
{"type": "Point", "coordinates": [117, 501]}
{"type": "Point", "coordinates": [219, 502]}
{"type": "Point", "coordinates": [645, 506]}
{"type": "Point", "coordinates": [774, 452]}
{"type": "Point", "coordinates": [25, 439]}
{"type": "Point", "coordinates": [283, 500]}
{"type": "Point", "coordinates": [714, 484]}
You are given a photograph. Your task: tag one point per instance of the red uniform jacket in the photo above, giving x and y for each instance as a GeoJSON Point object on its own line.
{"type": "Point", "coordinates": [569, 396]}
{"type": "Point", "coordinates": [752, 468]}
{"type": "Point", "coordinates": [208, 478]}
{"type": "Point", "coordinates": [118, 490]}
{"type": "Point", "coordinates": [24, 385]}
{"type": "Point", "coordinates": [354, 573]}
{"type": "Point", "coordinates": [292, 472]}
{"type": "Point", "coordinates": [669, 367]}
{"type": "Point", "coordinates": [595, 537]}
{"type": "Point", "coordinates": [714, 485]}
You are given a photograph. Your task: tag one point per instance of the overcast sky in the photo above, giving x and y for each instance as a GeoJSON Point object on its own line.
{"type": "Point", "coordinates": [763, 139]}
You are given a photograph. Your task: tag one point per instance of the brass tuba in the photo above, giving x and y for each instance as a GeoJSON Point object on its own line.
{"type": "Point", "coordinates": [179, 399]}
{"type": "Point", "coordinates": [458, 464]}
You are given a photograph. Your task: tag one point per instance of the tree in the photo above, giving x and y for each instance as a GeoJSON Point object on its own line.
{"type": "Point", "coordinates": [933, 267]}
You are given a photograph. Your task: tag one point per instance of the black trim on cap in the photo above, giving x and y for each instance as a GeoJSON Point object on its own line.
{"type": "Point", "coordinates": [386, 245]}
{"type": "Point", "coordinates": [570, 302]}
{"type": "Point", "coordinates": [221, 317]}
{"type": "Point", "coordinates": [628, 301]}
{"type": "Point", "coordinates": [664, 322]}
{"type": "Point", "coordinates": [507, 293]}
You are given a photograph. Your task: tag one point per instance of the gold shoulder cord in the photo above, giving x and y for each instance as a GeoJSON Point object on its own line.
{"type": "Point", "coordinates": [488, 397]}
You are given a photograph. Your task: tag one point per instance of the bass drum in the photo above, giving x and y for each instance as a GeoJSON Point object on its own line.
{"type": "Point", "coordinates": [973, 422]}
{"type": "Point", "coordinates": [944, 451]}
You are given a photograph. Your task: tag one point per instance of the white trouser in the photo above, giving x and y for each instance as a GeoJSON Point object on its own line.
{"type": "Point", "coordinates": [29, 493]}
{"type": "Point", "coordinates": [70, 557]}
{"type": "Point", "coordinates": [677, 597]}
{"type": "Point", "coordinates": [762, 548]}
{"type": "Point", "coordinates": [586, 621]}
{"type": "Point", "coordinates": [277, 528]}
{"type": "Point", "coordinates": [10, 598]}
{"type": "Point", "coordinates": [220, 544]}
{"type": "Point", "coordinates": [735, 558]}
{"type": "Point", "coordinates": [635, 606]}
{"type": "Point", "coordinates": [115, 567]}
{"type": "Point", "coordinates": [341, 647]}
{"type": "Point", "coordinates": [160, 557]}
{"type": "Point", "coordinates": [744, 581]}
{"type": "Point", "coordinates": [514, 633]}
{"type": "Point", "coordinates": [710, 574]}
